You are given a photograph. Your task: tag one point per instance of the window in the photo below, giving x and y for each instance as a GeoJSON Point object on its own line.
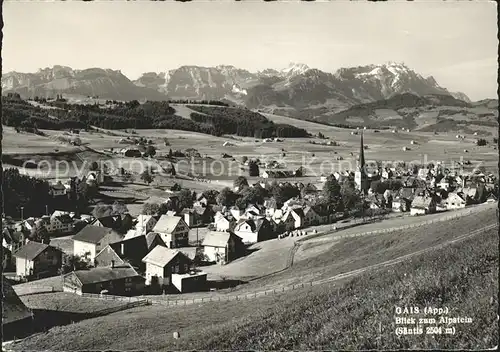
{"type": "Point", "coordinates": [127, 289]}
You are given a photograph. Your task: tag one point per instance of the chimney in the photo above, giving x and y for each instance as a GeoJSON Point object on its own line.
{"type": "Point", "coordinates": [112, 264]}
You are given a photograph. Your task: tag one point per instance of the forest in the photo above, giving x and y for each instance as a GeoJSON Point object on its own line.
{"type": "Point", "coordinates": [114, 115]}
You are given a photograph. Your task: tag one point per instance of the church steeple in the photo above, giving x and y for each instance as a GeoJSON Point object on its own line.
{"type": "Point", "coordinates": [360, 177]}
{"type": "Point", "coordinates": [361, 155]}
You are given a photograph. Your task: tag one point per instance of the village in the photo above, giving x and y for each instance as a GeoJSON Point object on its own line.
{"type": "Point", "coordinates": [160, 250]}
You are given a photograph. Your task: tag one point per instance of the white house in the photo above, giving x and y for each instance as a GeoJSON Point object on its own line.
{"type": "Point", "coordinates": [59, 224]}
{"type": "Point", "coordinates": [173, 230]}
{"type": "Point", "coordinates": [92, 239]}
{"type": "Point", "coordinates": [455, 201]}
{"type": "Point", "coordinates": [57, 190]}
{"type": "Point", "coordinates": [222, 247]}
{"type": "Point", "coordinates": [422, 205]}
{"type": "Point", "coordinates": [145, 224]}
{"type": "Point", "coordinates": [253, 230]}
{"type": "Point", "coordinates": [298, 217]}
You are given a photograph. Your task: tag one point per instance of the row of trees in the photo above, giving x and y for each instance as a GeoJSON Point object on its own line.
{"type": "Point", "coordinates": [151, 114]}
{"type": "Point", "coordinates": [243, 122]}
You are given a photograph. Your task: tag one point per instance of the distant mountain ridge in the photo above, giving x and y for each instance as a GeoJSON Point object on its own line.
{"type": "Point", "coordinates": [294, 89]}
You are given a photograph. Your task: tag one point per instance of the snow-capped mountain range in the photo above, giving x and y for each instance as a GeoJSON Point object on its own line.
{"type": "Point", "coordinates": [295, 87]}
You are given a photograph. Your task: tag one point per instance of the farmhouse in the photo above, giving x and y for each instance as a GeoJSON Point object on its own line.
{"type": "Point", "coordinates": [236, 212]}
{"type": "Point", "coordinates": [456, 201]}
{"type": "Point", "coordinates": [278, 174]}
{"type": "Point", "coordinates": [492, 198]}
{"type": "Point", "coordinates": [223, 222]}
{"type": "Point", "coordinates": [196, 216]}
{"type": "Point", "coordinates": [401, 204]}
{"type": "Point", "coordinates": [117, 280]}
{"type": "Point", "coordinates": [145, 223]}
{"type": "Point", "coordinates": [129, 251]}
{"type": "Point", "coordinates": [92, 239]}
{"type": "Point", "coordinates": [131, 152]}
{"type": "Point", "coordinates": [222, 247]}
{"type": "Point", "coordinates": [422, 205]}
{"type": "Point", "coordinates": [37, 260]}
{"type": "Point", "coordinates": [310, 217]}
{"type": "Point", "coordinates": [173, 231]}
{"type": "Point", "coordinates": [120, 223]}
{"type": "Point", "coordinates": [298, 217]}
{"type": "Point", "coordinates": [58, 224]}
{"type": "Point", "coordinates": [57, 190]}
{"type": "Point", "coordinates": [12, 240]}
{"type": "Point", "coordinates": [167, 269]}
{"type": "Point", "coordinates": [253, 230]}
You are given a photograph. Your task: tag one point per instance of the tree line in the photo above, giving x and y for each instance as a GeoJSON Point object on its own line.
{"type": "Point", "coordinates": [150, 115]}
{"type": "Point", "coordinates": [243, 122]}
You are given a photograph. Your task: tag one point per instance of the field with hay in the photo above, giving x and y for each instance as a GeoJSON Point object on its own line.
{"type": "Point", "coordinates": [355, 313]}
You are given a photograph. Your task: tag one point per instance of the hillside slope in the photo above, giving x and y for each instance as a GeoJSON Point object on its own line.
{"type": "Point", "coordinates": [426, 113]}
{"type": "Point", "coordinates": [352, 315]}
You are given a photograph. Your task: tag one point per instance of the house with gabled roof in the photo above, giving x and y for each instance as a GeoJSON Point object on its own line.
{"type": "Point", "coordinates": [173, 230]}
{"type": "Point", "coordinates": [492, 198]}
{"type": "Point", "coordinates": [224, 222]}
{"type": "Point", "coordinates": [62, 224]}
{"type": "Point", "coordinates": [422, 205]}
{"type": "Point", "coordinates": [92, 239]}
{"type": "Point", "coordinates": [222, 247]}
{"type": "Point", "coordinates": [120, 222]}
{"type": "Point", "coordinates": [401, 204]}
{"type": "Point", "coordinates": [298, 217]}
{"type": "Point", "coordinates": [168, 268]}
{"type": "Point", "coordinates": [310, 216]}
{"type": "Point", "coordinates": [129, 251]}
{"type": "Point", "coordinates": [38, 260]}
{"type": "Point", "coordinates": [455, 200]}
{"type": "Point", "coordinates": [115, 279]}
{"type": "Point", "coordinates": [12, 239]}
{"type": "Point", "coordinates": [197, 215]}
{"type": "Point", "coordinates": [57, 189]}
{"type": "Point", "coordinates": [236, 212]}
{"type": "Point", "coordinates": [254, 230]}
{"type": "Point", "coordinates": [145, 224]}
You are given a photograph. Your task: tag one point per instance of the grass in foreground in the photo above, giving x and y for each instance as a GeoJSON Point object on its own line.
{"type": "Point", "coordinates": [68, 302]}
{"type": "Point", "coordinates": [355, 314]}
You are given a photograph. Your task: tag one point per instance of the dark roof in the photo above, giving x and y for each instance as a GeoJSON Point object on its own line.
{"type": "Point", "coordinates": [112, 221]}
{"type": "Point", "coordinates": [13, 309]}
{"type": "Point", "coordinates": [92, 234]}
{"type": "Point", "coordinates": [12, 236]}
{"type": "Point", "coordinates": [58, 186]}
{"type": "Point", "coordinates": [298, 211]}
{"type": "Point", "coordinates": [103, 274]}
{"type": "Point", "coordinates": [31, 250]}
{"type": "Point", "coordinates": [280, 173]}
{"type": "Point", "coordinates": [65, 219]}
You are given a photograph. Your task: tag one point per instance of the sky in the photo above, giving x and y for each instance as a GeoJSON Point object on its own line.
{"type": "Point", "coordinates": [454, 41]}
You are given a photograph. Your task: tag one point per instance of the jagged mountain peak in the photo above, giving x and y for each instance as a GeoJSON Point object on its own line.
{"type": "Point", "coordinates": [294, 69]}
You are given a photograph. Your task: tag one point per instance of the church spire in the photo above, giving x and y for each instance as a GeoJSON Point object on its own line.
{"type": "Point", "coordinates": [361, 154]}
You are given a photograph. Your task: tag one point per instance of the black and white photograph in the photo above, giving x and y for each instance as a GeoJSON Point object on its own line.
{"type": "Point", "coordinates": [249, 175]}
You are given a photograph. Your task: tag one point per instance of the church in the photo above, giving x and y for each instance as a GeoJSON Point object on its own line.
{"type": "Point", "coordinates": [364, 176]}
